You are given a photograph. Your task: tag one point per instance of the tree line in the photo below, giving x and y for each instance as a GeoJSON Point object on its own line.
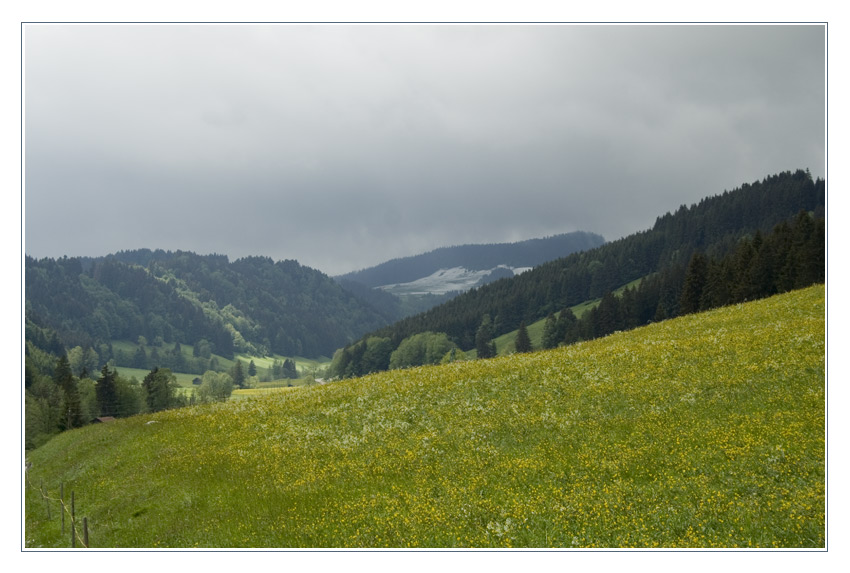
{"type": "Point", "coordinates": [792, 256]}
{"type": "Point", "coordinates": [714, 227]}
{"type": "Point", "coordinates": [61, 400]}
{"type": "Point", "coordinates": [378, 353]}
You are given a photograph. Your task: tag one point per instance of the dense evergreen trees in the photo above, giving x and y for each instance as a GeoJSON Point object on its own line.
{"type": "Point", "coordinates": [61, 401]}
{"type": "Point", "coordinates": [252, 305]}
{"type": "Point", "coordinates": [695, 283]}
{"type": "Point", "coordinates": [759, 266]}
{"type": "Point", "coordinates": [662, 255]}
{"type": "Point", "coordinates": [713, 226]}
{"type": "Point", "coordinates": [370, 355]}
{"type": "Point", "coordinates": [282, 369]}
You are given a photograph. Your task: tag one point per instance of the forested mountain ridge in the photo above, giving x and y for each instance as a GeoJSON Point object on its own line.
{"type": "Point", "coordinates": [714, 227]}
{"type": "Point", "coordinates": [478, 257]}
{"type": "Point", "coordinates": [251, 305]}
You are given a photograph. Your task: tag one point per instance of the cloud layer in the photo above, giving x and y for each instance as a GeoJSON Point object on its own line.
{"type": "Point", "coordinates": [344, 146]}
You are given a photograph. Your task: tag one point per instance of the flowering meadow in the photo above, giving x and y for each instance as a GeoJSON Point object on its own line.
{"type": "Point", "coordinates": [703, 431]}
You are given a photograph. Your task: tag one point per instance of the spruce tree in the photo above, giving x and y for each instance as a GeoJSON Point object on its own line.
{"type": "Point", "coordinates": [237, 374]}
{"type": "Point", "coordinates": [801, 253]}
{"type": "Point", "coordinates": [276, 369]}
{"type": "Point", "coordinates": [106, 392]}
{"type": "Point", "coordinates": [550, 332]}
{"type": "Point", "coordinates": [566, 326]}
{"type": "Point", "coordinates": [743, 289]}
{"type": "Point", "coordinates": [289, 369]}
{"type": "Point", "coordinates": [72, 410]}
{"type": "Point", "coordinates": [523, 342]}
{"type": "Point", "coordinates": [484, 339]}
{"type": "Point", "coordinates": [160, 389]}
{"type": "Point", "coordinates": [660, 313]}
{"type": "Point", "coordinates": [695, 281]}
{"type": "Point", "coordinates": [608, 316]}
{"type": "Point", "coordinates": [718, 285]}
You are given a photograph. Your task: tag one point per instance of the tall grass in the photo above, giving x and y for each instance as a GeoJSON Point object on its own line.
{"type": "Point", "coordinates": [703, 431]}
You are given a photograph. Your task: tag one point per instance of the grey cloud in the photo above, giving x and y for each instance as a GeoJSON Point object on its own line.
{"type": "Point", "coordinates": [343, 146]}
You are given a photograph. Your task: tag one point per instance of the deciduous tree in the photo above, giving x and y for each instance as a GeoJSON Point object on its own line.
{"type": "Point", "coordinates": [215, 387]}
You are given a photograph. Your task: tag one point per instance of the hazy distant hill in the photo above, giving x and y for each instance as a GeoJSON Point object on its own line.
{"type": "Point", "coordinates": [461, 267]}
{"type": "Point", "coordinates": [251, 304]}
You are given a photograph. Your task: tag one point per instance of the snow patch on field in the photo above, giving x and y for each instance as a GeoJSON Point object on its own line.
{"type": "Point", "coordinates": [446, 280]}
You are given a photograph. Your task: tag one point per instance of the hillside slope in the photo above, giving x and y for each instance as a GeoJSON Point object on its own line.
{"type": "Point", "coordinates": [714, 226]}
{"type": "Point", "coordinates": [703, 431]}
{"type": "Point", "coordinates": [251, 304]}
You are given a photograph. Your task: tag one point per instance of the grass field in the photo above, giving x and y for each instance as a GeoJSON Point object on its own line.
{"type": "Point", "coordinates": [303, 365]}
{"type": "Point", "coordinates": [184, 380]}
{"type": "Point", "coordinates": [703, 431]}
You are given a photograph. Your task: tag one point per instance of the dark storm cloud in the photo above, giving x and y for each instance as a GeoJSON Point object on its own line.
{"type": "Point", "coordinates": [343, 146]}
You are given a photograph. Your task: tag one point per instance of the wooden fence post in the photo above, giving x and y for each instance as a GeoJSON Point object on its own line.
{"type": "Point", "coordinates": [62, 504]}
{"type": "Point", "coordinates": [85, 532]}
{"type": "Point", "coordinates": [46, 499]}
{"type": "Point", "coordinates": [73, 523]}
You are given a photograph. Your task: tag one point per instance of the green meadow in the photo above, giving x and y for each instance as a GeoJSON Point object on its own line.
{"type": "Point", "coordinates": [703, 431]}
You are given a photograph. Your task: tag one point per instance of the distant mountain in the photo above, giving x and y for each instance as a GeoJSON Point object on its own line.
{"type": "Point", "coordinates": [459, 268]}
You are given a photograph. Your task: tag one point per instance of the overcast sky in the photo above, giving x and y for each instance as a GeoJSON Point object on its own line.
{"type": "Point", "coordinates": [344, 146]}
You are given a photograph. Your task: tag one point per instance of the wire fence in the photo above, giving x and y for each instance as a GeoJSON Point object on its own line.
{"type": "Point", "coordinates": [77, 537]}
